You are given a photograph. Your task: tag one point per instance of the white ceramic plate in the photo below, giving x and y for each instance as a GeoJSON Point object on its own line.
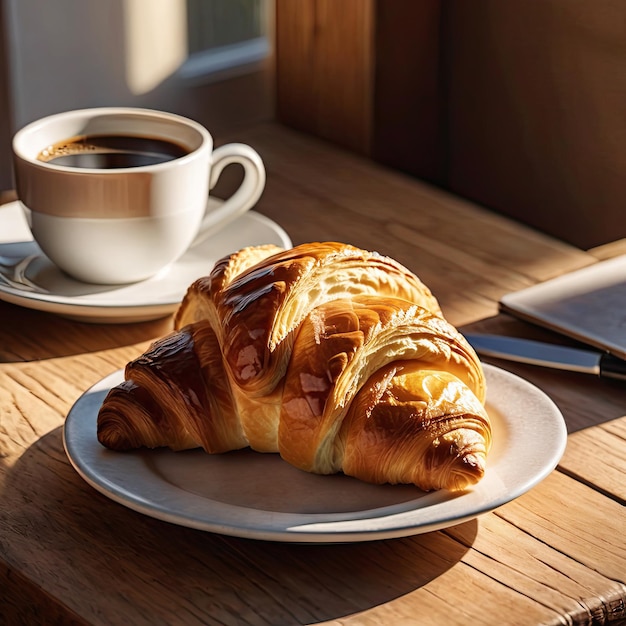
{"type": "Point", "coordinates": [253, 495]}
{"type": "Point", "coordinates": [28, 278]}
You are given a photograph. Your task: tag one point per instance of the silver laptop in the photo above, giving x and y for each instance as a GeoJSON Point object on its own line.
{"type": "Point", "coordinates": [588, 305]}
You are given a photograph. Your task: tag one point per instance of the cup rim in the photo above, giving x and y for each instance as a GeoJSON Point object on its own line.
{"type": "Point", "coordinates": [19, 138]}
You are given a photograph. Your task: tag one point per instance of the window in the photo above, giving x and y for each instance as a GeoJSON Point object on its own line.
{"type": "Point", "coordinates": [224, 36]}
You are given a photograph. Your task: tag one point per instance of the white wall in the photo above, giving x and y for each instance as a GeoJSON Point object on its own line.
{"type": "Point", "coordinates": [64, 53]}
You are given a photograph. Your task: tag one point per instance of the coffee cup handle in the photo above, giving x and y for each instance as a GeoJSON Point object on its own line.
{"type": "Point", "coordinates": [244, 198]}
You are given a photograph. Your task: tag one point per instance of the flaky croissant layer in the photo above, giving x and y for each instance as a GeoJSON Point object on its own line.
{"type": "Point", "coordinates": [336, 358]}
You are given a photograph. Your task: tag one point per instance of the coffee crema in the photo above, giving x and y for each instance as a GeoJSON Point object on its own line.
{"type": "Point", "coordinates": [111, 151]}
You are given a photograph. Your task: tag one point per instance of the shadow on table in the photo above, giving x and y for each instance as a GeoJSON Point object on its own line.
{"type": "Point", "coordinates": [151, 570]}
{"type": "Point", "coordinates": [29, 335]}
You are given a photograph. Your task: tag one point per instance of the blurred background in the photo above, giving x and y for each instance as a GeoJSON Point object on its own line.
{"type": "Point", "coordinates": [518, 105]}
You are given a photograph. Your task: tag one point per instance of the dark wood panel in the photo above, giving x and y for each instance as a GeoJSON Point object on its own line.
{"type": "Point", "coordinates": [365, 75]}
{"type": "Point", "coordinates": [536, 112]}
{"type": "Point", "coordinates": [324, 69]}
{"type": "Point", "coordinates": [409, 91]}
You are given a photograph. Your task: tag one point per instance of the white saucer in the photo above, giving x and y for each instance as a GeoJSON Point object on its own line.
{"type": "Point", "coordinates": [29, 279]}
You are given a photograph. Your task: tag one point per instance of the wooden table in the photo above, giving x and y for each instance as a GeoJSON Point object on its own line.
{"type": "Point", "coordinates": [556, 555]}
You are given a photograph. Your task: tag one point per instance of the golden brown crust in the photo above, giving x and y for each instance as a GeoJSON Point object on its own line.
{"type": "Point", "coordinates": [182, 396]}
{"type": "Point", "coordinates": [337, 358]}
{"type": "Point", "coordinates": [198, 303]}
{"type": "Point", "coordinates": [338, 348]}
{"type": "Point", "coordinates": [260, 309]}
{"type": "Point", "coordinates": [414, 425]}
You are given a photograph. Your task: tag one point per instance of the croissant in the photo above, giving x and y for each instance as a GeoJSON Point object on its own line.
{"type": "Point", "coordinates": [337, 358]}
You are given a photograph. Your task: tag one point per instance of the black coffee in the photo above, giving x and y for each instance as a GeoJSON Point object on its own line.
{"type": "Point", "coordinates": [111, 151]}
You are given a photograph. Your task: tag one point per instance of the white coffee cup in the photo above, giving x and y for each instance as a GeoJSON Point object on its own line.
{"type": "Point", "coordinates": [114, 225]}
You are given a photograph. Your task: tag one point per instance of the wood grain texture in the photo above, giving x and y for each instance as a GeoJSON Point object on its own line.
{"type": "Point", "coordinates": [468, 255]}
{"type": "Point", "coordinates": [597, 456]}
{"type": "Point", "coordinates": [609, 250]}
{"type": "Point", "coordinates": [23, 335]}
{"type": "Point", "coordinates": [535, 113]}
{"type": "Point", "coordinates": [541, 565]}
{"type": "Point", "coordinates": [324, 69]}
{"type": "Point", "coordinates": [408, 129]}
{"type": "Point", "coordinates": [517, 105]}
{"type": "Point", "coordinates": [366, 75]}
{"type": "Point", "coordinates": [554, 556]}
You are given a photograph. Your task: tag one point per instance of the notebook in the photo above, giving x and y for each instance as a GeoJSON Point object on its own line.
{"type": "Point", "coordinates": [588, 305]}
